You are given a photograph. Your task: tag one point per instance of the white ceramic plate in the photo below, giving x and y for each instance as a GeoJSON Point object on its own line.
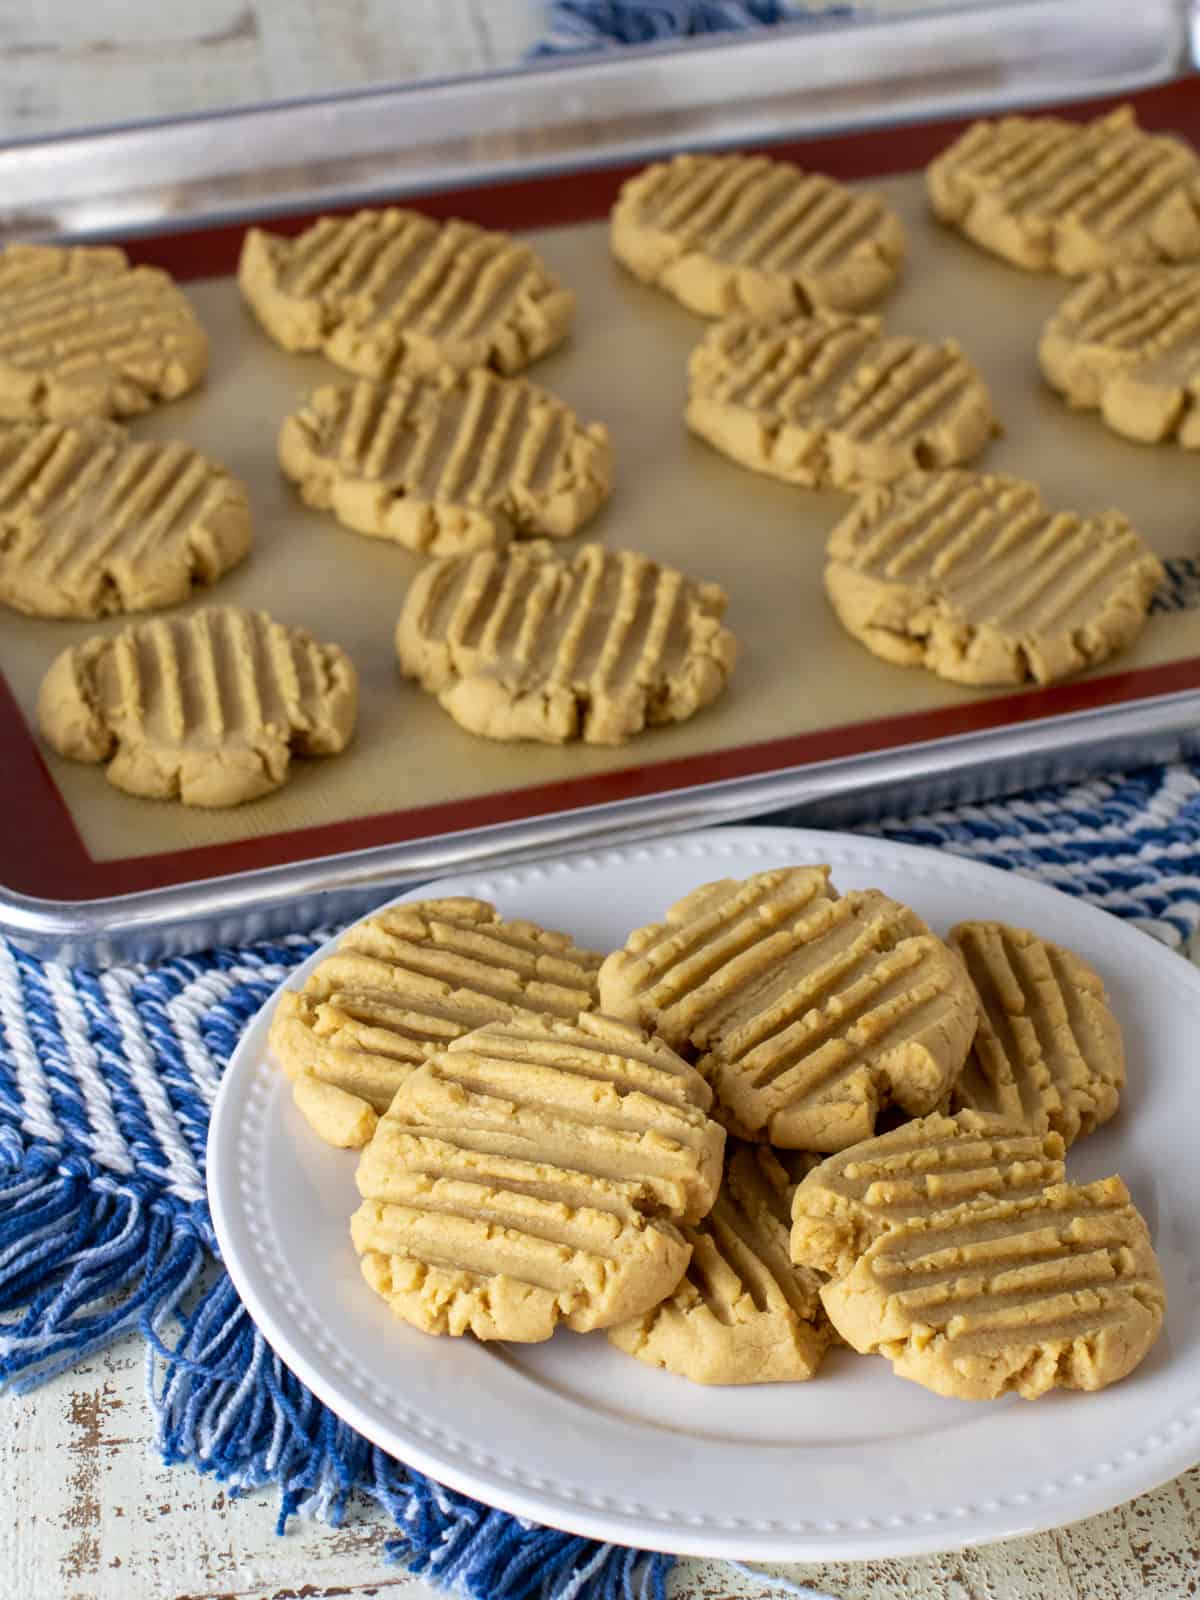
{"type": "Point", "coordinates": [857, 1463]}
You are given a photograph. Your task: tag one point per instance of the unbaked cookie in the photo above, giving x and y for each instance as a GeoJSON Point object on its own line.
{"type": "Point", "coordinates": [808, 1013]}
{"type": "Point", "coordinates": [1049, 1051]}
{"type": "Point", "coordinates": [1069, 197]}
{"type": "Point", "coordinates": [94, 522]}
{"type": "Point", "coordinates": [533, 1174]}
{"type": "Point", "coordinates": [973, 577]}
{"type": "Point", "coordinates": [444, 467]}
{"type": "Point", "coordinates": [388, 289]}
{"type": "Point", "coordinates": [1126, 343]}
{"type": "Point", "coordinates": [207, 709]}
{"type": "Point", "coordinates": [745, 233]}
{"type": "Point", "coordinates": [84, 334]}
{"type": "Point", "coordinates": [934, 1163]}
{"type": "Point", "coordinates": [1060, 1290]}
{"type": "Point", "coordinates": [832, 399]}
{"type": "Point", "coordinates": [742, 1313]}
{"type": "Point", "coordinates": [528, 645]}
{"type": "Point", "coordinates": [401, 986]}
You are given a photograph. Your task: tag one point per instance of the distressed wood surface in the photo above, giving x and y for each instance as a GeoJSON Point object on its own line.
{"type": "Point", "coordinates": [92, 1515]}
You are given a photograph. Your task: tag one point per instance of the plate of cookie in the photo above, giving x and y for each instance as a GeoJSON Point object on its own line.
{"type": "Point", "coordinates": [757, 1193]}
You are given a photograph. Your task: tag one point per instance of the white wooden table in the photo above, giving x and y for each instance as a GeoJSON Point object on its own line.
{"type": "Point", "coordinates": [89, 1513]}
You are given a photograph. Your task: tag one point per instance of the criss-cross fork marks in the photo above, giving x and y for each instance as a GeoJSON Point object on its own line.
{"type": "Point", "coordinates": [743, 1313]}
{"type": "Point", "coordinates": [1106, 178]}
{"type": "Point", "coordinates": [764, 217]}
{"type": "Point", "coordinates": [810, 1013]}
{"type": "Point", "coordinates": [934, 1164]}
{"type": "Point", "coordinates": [834, 397]}
{"type": "Point", "coordinates": [491, 445]}
{"type": "Point", "coordinates": [369, 286]}
{"type": "Point", "coordinates": [1144, 314]}
{"type": "Point", "coordinates": [1059, 1289]}
{"type": "Point", "coordinates": [611, 640]}
{"type": "Point", "coordinates": [977, 552]}
{"type": "Point", "coordinates": [526, 1174]}
{"type": "Point", "coordinates": [92, 521]}
{"type": "Point", "coordinates": [98, 336]}
{"type": "Point", "coordinates": [408, 981]}
{"type": "Point", "coordinates": [1048, 1052]}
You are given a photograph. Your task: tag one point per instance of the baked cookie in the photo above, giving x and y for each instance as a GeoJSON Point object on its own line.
{"type": "Point", "coordinates": [742, 1313]}
{"type": "Point", "coordinates": [1057, 1290]}
{"type": "Point", "coordinates": [1126, 343]}
{"type": "Point", "coordinates": [1049, 1052]}
{"type": "Point", "coordinates": [973, 577]}
{"type": "Point", "coordinates": [1069, 197]}
{"type": "Point", "coordinates": [533, 1174]}
{"type": "Point", "coordinates": [444, 467]}
{"type": "Point", "coordinates": [84, 334]}
{"type": "Point", "coordinates": [932, 1164]}
{"type": "Point", "coordinates": [809, 1013]}
{"type": "Point", "coordinates": [93, 522]}
{"type": "Point", "coordinates": [831, 399]}
{"type": "Point", "coordinates": [388, 289]}
{"type": "Point", "coordinates": [745, 233]}
{"type": "Point", "coordinates": [401, 986]}
{"type": "Point", "coordinates": [529, 645]}
{"type": "Point", "coordinates": [207, 709]}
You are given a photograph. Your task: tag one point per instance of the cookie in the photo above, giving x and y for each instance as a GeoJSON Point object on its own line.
{"type": "Point", "coordinates": [1126, 343]}
{"type": "Point", "coordinates": [532, 1174]}
{"type": "Point", "coordinates": [1067, 197]}
{"type": "Point", "coordinates": [84, 334]}
{"type": "Point", "coordinates": [388, 289]}
{"type": "Point", "coordinates": [1059, 1290]}
{"type": "Point", "coordinates": [742, 1313]}
{"type": "Point", "coordinates": [1049, 1052]}
{"type": "Point", "coordinates": [834, 400]}
{"type": "Point", "coordinates": [745, 233]}
{"type": "Point", "coordinates": [93, 522]}
{"type": "Point", "coordinates": [973, 577]}
{"type": "Point", "coordinates": [444, 467]}
{"type": "Point", "coordinates": [401, 986]}
{"type": "Point", "coordinates": [207, 709]}
{"type": "Point", "coordinates": [935, 1163]}
{"type": "Point", "coordinates": [808, 1013]}
{"type": "Point", "coordinates": [529, 645]}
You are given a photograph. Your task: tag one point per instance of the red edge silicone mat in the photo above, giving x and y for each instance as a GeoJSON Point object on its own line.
{"type": "Point", "coordinates": [45, 857]}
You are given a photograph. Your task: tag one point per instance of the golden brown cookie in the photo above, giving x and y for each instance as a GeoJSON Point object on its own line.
{"type": "Point", "coordinates": [932, 1164]}
{"type": "Point", "coordinates": [401, 986]}
{"type": "Point", "coordinates": [207, 709]}
{"type": "Point", "coordinates": [1059, 1290]}
{"type": "Point", "coordinates": [445, 466]}
{"type": "Point", "coordinates": [94, 522]}
{"type": "Point", "coordinates": [1049, 1052]}
{"type": "Point", "coordinates": [832, 399]}
{"type": "Point", "coordinates": [1069, 197]}
{"type": "Point", "coordinates": [385, 290]}
{"type": "Point", "coordinates": [528, 645]}
{"type": "Point", "coordinates": [745, 233]}
{"type": "Point", "coordinates": [809, 1013]}
{"type": "Point", "coordinates": [532, 1174]}
{"type": "Point", "coordinates": [742, 1313]}
{"type": "Point", "coordinates": [1126, 343]}
{"type": "Point", "coordinates": [973, 577]}
{"type": "Point", "coordinates": [84, 334]}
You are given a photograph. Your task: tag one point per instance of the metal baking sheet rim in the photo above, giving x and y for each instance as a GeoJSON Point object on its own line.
{"type": "Point", "coordinates": [298, 896]}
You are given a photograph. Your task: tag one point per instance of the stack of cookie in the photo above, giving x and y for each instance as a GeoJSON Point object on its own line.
{"type": "Point", "coordinates": [681, 1142]}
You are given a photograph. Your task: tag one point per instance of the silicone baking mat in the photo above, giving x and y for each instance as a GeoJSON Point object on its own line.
{"type": "Point", "coordinates": [803, 689]}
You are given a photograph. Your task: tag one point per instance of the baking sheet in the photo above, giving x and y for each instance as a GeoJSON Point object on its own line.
{"type": "Point", "coordinates": [675, 499]}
